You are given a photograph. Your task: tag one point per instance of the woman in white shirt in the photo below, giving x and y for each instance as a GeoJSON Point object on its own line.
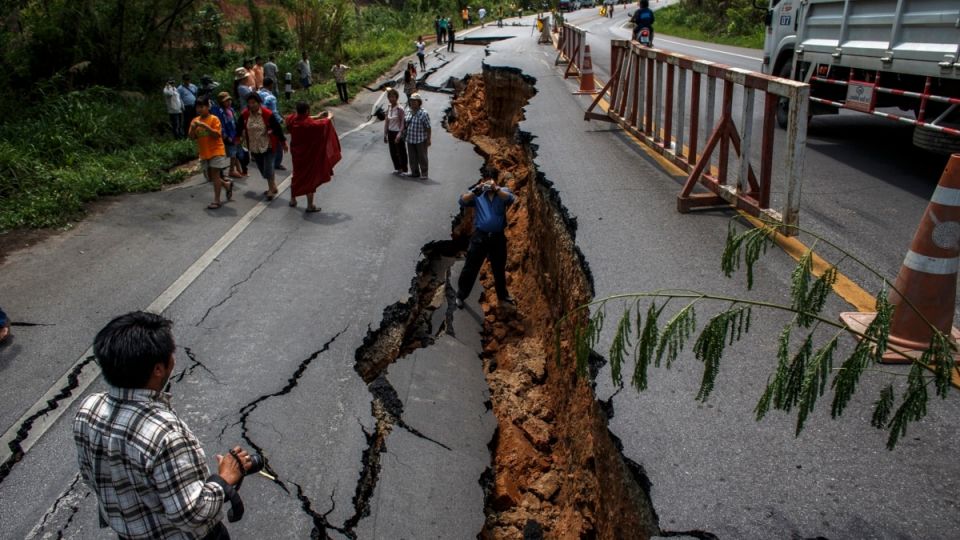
{"type": "Point", "coordinates": [393, 132]}
{"type": "Point", "coordinates": [421, 53]}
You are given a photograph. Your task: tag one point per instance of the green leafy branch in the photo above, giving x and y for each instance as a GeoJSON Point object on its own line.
{"type": "Point", "coordinates": [805, 367]}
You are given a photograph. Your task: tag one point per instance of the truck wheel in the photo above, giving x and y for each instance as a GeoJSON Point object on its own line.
{"type": "Point", "coordinates": [935, 141]}
{"type": "Point", "coordinates": [783, 104]}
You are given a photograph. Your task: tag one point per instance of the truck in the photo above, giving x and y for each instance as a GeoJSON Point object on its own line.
{"type": "Point", "coordinates": [897, 59]}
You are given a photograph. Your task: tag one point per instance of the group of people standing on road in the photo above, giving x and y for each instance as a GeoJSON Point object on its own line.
{"type": "Point", "coordinates": [446, 33]}
{"type": "Point", "coordinates": [131, 423]}
{"type": "Point", "coordinates": [229, 137]}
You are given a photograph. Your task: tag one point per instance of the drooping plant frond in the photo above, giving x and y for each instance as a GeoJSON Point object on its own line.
{"type": "Point", "coordinates": [868, 351]}
{"type": "Point", "coordinates": [618, 347]}
{"type": "Point", "coordinates": [882, 408]}
{"type": "Point", "coordinates": [749, 246]}
{"type": "Point", "coordinates": [647, 342]}
{"type": "Point", "coordinates": [803, 369]}
{"type": "Point", "coordinates": [815, 380]}
{"type": "Point", "coordinates": [912, 408]}
{"type": "Point", "coordinates": [721, 330]}
{"type": "Point", "coordinates": [676, 333]}
{"type": "Point", "coordinates": [940, 358]}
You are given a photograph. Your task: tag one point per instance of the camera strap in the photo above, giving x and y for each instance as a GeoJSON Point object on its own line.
{"type": "Point", "coordinates": [231, 495]}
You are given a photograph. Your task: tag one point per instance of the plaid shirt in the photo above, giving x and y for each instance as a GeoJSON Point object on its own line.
{"type": "Point", "coordinates": [145, 466]}
{"type": "Point", "coordinates": [418, 126]}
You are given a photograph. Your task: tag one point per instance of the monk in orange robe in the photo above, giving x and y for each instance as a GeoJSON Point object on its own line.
{"type": "Point", "coordinates": [315, 149]}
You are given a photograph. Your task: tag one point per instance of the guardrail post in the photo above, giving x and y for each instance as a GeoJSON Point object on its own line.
{"type": "Point", "coordinates": [694, 118]}
{"type": "Point", "coordinates": [796, 144]}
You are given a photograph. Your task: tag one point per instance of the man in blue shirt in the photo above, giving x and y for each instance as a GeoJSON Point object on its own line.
{"type": "Point", "coordinates": [489, 202]}
{"type": "Point", "coordinates": [188, 96]}
{"type": "Point", "coordinates": [643, 18]}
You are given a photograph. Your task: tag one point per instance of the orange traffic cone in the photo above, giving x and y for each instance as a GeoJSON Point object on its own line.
{"type": "Point", "coordinates": [928, 277]}
{"type": "Point", "coordinates": [587, 85]}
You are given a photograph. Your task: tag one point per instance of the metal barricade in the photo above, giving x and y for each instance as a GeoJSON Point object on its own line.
{"type": "Point", "coordinates": [570, 45]}
{"type": "Point", "coordinates": [647, 95]}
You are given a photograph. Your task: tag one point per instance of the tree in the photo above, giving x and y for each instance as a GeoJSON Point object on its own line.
{"type": "Point", "coordinates": [803, 373]}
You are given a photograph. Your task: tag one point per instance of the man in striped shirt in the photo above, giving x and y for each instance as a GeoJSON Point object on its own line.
{"type": "Point", "coordinates": [140, 459]}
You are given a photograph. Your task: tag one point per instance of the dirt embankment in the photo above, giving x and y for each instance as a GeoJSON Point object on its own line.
{"type": "Point", "coordinates": [556, 470]}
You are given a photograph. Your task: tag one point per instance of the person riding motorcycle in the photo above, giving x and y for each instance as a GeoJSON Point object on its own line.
{"type": "Point", "coordinates": [643, 18]}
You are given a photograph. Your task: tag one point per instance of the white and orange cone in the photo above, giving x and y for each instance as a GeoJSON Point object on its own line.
{"type": "Point", "coordinates": [587, 85]}
{"type": "Point", "coordinates": [928, 276]}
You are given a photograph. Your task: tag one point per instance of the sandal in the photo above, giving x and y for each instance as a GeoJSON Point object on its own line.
{"type": "Point", "coordinates": [270, 196]}
{"type": "Point", "coordinates": [229, 188]}
{"type": "Point", "coordinates": [213, 206]}
{"type": "Point", "coordinates": [313, 209]}
{"type": "Point", "coordinates": [293, 203]}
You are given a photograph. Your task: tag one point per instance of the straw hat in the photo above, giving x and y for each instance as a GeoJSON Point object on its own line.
{"type": "Point", "coordinates": [222, 97]}
{"type": "Point", "coordinates": [416, 96]}
{"type": "Point", "coordinates": [240, 73]}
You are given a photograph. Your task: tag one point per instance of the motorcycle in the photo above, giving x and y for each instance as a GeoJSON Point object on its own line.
{"type": "Point", "coordinates": [644, 36]}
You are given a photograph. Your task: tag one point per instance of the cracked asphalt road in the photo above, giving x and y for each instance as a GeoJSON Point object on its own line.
{"type": "Point", "coordinates": [266, 334]}
{"type": "Point", "coordinates": [291, 283]}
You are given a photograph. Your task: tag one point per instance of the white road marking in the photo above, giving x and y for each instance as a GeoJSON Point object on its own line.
{"type": "Point", "coordinates": [718, 51]}
{"type": "Point", "coordinates": [361, 126]}
{"type": "Point", "coordinates": [90, 372]}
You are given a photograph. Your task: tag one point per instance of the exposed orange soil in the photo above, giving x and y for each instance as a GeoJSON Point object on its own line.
{"type": "Point", "coordinates": [554, 462]}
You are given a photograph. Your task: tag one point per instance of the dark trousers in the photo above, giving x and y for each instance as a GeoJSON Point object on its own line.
{"type": "Point", "coordinates": [278, 158]}
{"type": "Point", "coordinates": [417, 158]}
{"type": "Point", "coordinates": [398, 151]}
{"type": "Point", "coordinates": [423, 62]}
{"type": "Point", "coordinates": [342, 90]}
{"type": "Point", "coordinates": [485, 246]}
{"type": "Point", "coordinates": [176, 125]}
{"type": "Point", "coordinates": [450, 39]}
{"type": "Point", "coordinates": [440, 36]}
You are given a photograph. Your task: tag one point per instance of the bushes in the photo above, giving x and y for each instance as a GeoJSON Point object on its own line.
{"type": "Point", "coordinates": [79, 146]}
{"type": "Point", "coordinates": [731, 23]}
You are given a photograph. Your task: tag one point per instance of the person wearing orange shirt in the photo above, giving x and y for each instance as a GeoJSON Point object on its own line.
{"type": "Point", "coordinates": [206, 130]}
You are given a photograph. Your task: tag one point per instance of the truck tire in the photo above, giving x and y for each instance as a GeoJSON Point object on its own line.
{"type": "Point", "coordinates": [935, 141]}
{"type": "Point", "coordinates": [783, 104]}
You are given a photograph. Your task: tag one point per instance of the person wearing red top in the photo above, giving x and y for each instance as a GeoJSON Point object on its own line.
{"type": "Point", "coordinates": [315, 149]}
{"type": "Point", "coordinates": [207, 131]}
{"type": "Point", "coordinates": [262, 134]}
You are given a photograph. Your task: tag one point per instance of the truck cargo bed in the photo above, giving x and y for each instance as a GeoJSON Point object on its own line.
{"type": "Point", "coordinates": [918, 37]}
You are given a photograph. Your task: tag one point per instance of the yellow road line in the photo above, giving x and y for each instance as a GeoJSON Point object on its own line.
{"type": "Point", "coordinates": [845, 288]}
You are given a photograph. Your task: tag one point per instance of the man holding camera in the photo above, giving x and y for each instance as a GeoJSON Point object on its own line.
{"type": "Point", "coordinates": [489, 202]}
{"type": "Point", "coordinates": [140, 459]}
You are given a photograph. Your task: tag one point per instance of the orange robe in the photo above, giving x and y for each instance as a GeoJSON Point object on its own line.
{"type": "Point", "coordinates": [315, 149]}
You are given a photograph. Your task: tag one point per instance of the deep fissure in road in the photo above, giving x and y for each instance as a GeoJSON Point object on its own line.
{"type": "Point", "coordinates": [406, 326]}
{"type": "Point", "coordinates": [556, 471]}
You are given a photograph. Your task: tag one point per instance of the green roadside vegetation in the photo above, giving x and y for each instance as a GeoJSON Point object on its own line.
{"type": "Point", "coordinates": [83, 111]}
{"type": "Point", "coordinates": [735, 22]}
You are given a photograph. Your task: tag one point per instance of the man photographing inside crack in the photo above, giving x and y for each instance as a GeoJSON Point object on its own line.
{"type": "Point", "coordinates": [140, 459]}
{"type": "Point", "coordinates": [489, 201]}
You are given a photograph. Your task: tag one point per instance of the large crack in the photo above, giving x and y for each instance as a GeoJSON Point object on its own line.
{"type": "Point", "coordinates": [320, 522]}
{"type": "Point", "coordinates": [23, 431]}
{"type": "Point", "coordinates": [405, 327]}
{"type": "Point", "coordinates": [556, 468]}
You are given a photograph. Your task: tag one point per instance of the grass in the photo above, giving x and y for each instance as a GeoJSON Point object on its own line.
{"type": "Point", "coordinates": [680, 22]}
{"type": "Point", "coordinates": [79, 146]}
{"type": "Point", "coordinates": [76, 147]}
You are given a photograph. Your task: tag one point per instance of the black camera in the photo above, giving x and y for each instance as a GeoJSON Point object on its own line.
{"type": "Point", "coordinates": [256, 464]}
{"type": "Point", "coordinates": [235, 513]}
